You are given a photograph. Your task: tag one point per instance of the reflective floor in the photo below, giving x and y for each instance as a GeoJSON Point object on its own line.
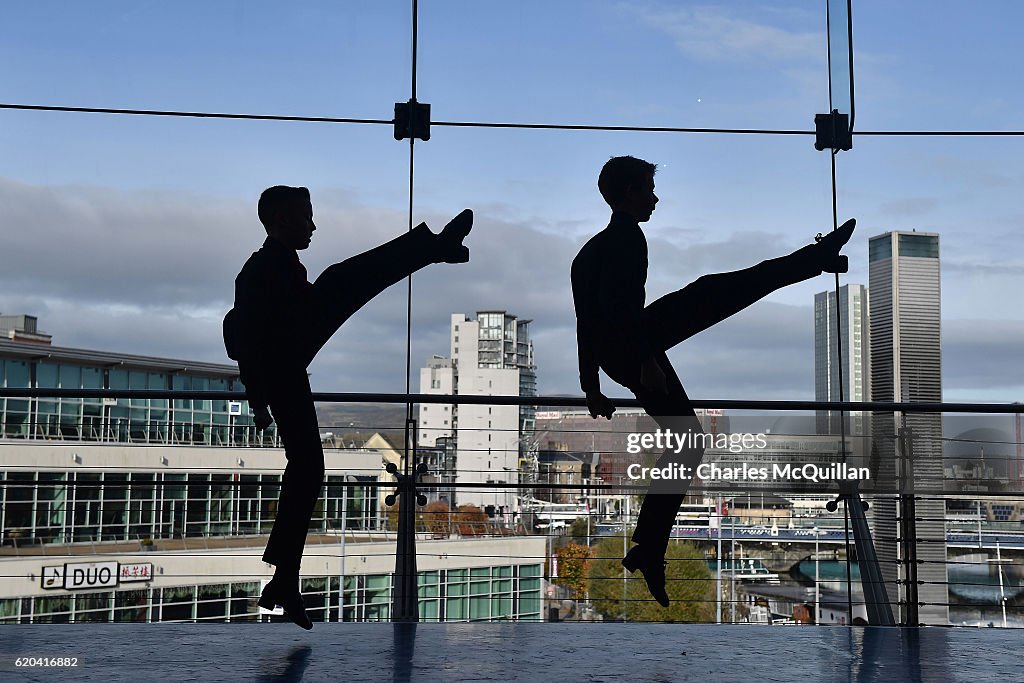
{"type": "Point", "coordinates": [508, 652]}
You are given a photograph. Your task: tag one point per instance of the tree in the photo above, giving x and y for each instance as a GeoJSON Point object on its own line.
{"type": "Point", "coordinates": [437, 517]}
{"type": "Point", "coordinates": [578, 530]}
{"type": "Point", "coordinates": [573, 567]}
{"type": "Point", "coordinates": [690, 585]}
{"type": "Point", "coordinates": [393, 511]}
{"type": "Point", "coordinates": [471, 520]}
{"type": "Point", "coordinates": [574, 533]}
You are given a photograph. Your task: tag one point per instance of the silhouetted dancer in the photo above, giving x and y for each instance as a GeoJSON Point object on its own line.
{"type": "Point", "coordinates": [615, 331]}
{"type": "Point", "coordinates": [279, 323]}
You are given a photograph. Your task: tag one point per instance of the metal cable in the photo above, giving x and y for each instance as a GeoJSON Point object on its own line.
{"type": "Point", "coordinates": [496, 124]}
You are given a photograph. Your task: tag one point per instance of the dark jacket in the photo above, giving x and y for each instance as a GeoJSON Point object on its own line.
{"type": "Point", "coordinates": [273, 314]}
{"type": "Point", "coordinates": [609, 276]}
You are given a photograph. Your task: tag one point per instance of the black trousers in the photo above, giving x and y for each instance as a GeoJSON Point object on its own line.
{"type": "Point", "coordinates": [340, 291]}
{"type": "Point", "coordinates": [669, 320]}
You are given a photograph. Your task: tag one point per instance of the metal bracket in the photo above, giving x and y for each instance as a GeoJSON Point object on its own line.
{"type": "Point", "coordinates": [832, 131]}
{"type": "Point", "coordinates": [412, 120]}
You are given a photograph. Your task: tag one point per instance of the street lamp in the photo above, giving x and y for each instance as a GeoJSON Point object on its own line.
{"type": "Point", "coordinates": [817, 595]}
{"type": "Point", "coordinates": [344, 528]}
{"type": "Point", "coordinates": [624, 516]}
{"type": "Point", "coordinates": [508, 503]}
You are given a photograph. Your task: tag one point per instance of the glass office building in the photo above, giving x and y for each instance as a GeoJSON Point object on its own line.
{"type": "Point", "coordinates": [163, 421]}
{"type": "Point", "coordinates": [157, 510]}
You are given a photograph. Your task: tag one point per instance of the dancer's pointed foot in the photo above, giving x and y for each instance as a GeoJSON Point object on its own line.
{"type": "Point", "coordinates": [450, 247]}
{"type": "Point", "coordinates": [288, 597]}
{"type": "Point", "coordinates": [829, 245]}
{"type": "Point", "coordinates": [653, 569]}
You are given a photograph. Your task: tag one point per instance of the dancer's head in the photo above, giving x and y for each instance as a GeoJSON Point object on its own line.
{"type": "Point", "coordinates": [287, 214]}
{"type": "Point", "coordinates": [627, 184]}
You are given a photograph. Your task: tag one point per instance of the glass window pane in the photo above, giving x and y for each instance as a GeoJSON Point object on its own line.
{"type": "Point", "coordinates": [52, 609]}
{"type": "Point", "coordinates": [10, 610]}
{"type": "Point", "coordinates": [243, 599]}
{"type": "Point", "coordinates": [480, 608]}
{"type": "Point", "coordinates": [93, 607]}
{"type": "Point", "coordinates": [70, 376]}
{"type": "Point", "coordinates": [46, 375]}
{"type": "Point", "coordinates": [456, 609]}
{"type": "Point", "coordinates": [131, 605]}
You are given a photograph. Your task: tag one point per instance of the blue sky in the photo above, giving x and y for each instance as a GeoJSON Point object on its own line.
{"type": "Point", "coordinates": [124, 233]}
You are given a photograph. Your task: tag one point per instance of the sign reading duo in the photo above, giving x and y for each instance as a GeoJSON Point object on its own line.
{"type": "Point", "coordinates": [95, 575]}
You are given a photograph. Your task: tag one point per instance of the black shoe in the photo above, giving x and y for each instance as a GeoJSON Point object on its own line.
{"type": "Point", "coordinates": [653, 569]}
{"type": "Point", "coordinates": [290, 600]}
{"type": "Point", "coordinates": [450, 247]}
{"type": "Point", "coordinates": [828, 246]}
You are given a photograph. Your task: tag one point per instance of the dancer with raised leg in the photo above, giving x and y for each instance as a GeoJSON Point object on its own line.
{"type": "Point", "coordinates": [617, 332]}
{"type": "Point", "coordinates": [278, 324]}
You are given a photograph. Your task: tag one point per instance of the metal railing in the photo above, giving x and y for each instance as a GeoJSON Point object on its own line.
{"type": "Point", "coordinates": [902, 571]}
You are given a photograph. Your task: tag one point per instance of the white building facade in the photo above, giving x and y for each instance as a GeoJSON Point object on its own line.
{"type": "Point", "coordinates": [490, 356]}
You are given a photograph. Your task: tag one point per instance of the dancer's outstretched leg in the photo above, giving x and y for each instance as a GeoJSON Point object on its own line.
{"type": "Point", "coordinates": [712, 298]}
{"type": "Point", "coordinates": [344, 288]}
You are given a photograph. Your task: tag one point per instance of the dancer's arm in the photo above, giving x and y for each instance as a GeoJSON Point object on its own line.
{"type": "Point", "coordinates": [590, 380]}
{"type": "Point", "coordinates": [251, 306]}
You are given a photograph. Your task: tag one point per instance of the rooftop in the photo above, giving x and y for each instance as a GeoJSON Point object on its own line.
{"type": "Point", "coordinates": [30, 351]}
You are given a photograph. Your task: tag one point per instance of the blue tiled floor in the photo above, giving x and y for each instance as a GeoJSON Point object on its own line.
{"type": "Point", "coordinates": [511, 652]}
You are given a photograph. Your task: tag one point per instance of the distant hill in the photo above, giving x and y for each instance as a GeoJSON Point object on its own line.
{"type": "Point", "coordinates": [361, 417]}
{"type": "Point", "coordinates": [344, 417]}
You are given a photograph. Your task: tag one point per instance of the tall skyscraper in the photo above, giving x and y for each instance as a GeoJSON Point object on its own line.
{"type": "Point", "coordinates": [850, 327]}
{"type": "Point", "coordinates": [906, 366]}
{"type": "Point", "coordinates": [490, 356]}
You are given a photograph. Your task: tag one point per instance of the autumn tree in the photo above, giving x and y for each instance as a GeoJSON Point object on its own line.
{"type": "Point", "coordinates": [393, 511]}
{"type": "Point", "coordinates": [573, 567]}
{"type": "Point", "coordinates": [437, 518]}
{"type": "Point", "coordinates": [690, 585]}
{"type": "Point", "coordinates": [471, 520]}
{"type": "Point", "coordinates": [574, 533]}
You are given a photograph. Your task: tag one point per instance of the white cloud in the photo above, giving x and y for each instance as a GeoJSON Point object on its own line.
{"type": "Point", "coordinates": [713, 34]}
{"type": "Point", "coordinates": [145, 274]}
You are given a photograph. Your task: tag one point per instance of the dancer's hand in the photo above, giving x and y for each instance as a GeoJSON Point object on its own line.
{"type": "Point", "coordinates": [262, 419]}
{"type": "Point", "coordinates": [652, 377]}
{"type": "Point", "coordinates": [600, 405]}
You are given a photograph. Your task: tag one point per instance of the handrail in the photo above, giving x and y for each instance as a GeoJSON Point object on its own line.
{"type": "Point", "coordinates": [554, 401]}
{"type": "Point", "coordinates": [872, 580]}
